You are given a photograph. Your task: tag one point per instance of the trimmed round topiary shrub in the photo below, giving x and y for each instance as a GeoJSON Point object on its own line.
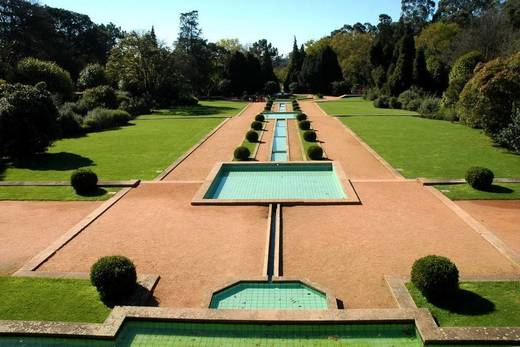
{"type": "Point", "coordinates": [436, 277]}
{"type": "Point", "coordinates": [114, 277]}
{"type": "Point", "coordinates": [252, 136]}
{"type": "Point", "coordinates": [480, 178]}
{"type": "Point", "coordinates": [242, 153]}
{"type": "Point", "coordinates": [84, 181]}
{"type": "Point", "coordinates": [301, 116]}
{"type": "Point", "coordinates": [260, 118]}
{"type": "Point", "coordinates": [315, 153]}
{"type": "Point", "coordinates": [310, 136]}
{"type": "Point", "coordinates": [304, 125]}
{"type": "Point", "coordinates": [257, 125]}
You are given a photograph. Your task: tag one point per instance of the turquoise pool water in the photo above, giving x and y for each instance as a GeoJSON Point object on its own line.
{"type": "Point", "coordinates": [278, 115]}
{"type": "Point", "coordinates": [277, 181]}
{"type": "Point", "coordinates": [279, 151]}
{"type": "Point", "coordinates": [141, 334]}
{"type": "Point", "coordinates": [269, 295]}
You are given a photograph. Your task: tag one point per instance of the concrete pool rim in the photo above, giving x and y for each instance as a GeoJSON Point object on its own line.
{"type": "Point", "coordinates": [351, 198]}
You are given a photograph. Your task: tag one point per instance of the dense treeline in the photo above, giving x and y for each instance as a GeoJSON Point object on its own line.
{"type": "Point", "coordinates": [83, 77]}
{"type": "Point", "coordinates": [456, 61]}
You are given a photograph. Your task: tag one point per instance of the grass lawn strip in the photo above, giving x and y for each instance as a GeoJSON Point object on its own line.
{"type": "Point", "coordinates": [53, 193]}
{"type": "Point", "coordinates": [357, 106]}
{"type": "Point", "coordinates": [43, 299]}
{"type": "Point", "coordinates": [480, 304]}
{"type": "Point", "coordinates": [219, 108]}
{"type": "Point", "coordinates": [499, 191]}
{"type": "Point", "coordinates": [420, 147]}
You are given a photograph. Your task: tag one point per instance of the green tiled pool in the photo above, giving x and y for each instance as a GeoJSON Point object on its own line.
{"type": "Point", "coordinates": [276, 181]}
{"type": "Point", "coordinates": [280, 115]}
{"type": "Point", "coordinates": [287, 295]}
{"type": "Point", "coordinates": [141, 334]}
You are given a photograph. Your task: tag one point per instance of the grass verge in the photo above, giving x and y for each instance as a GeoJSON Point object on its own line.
{"type": "Point", "coordinates": [45, 193]}
{"type": "Point", "coordinates": [499, 191]}
{"type": "Point", "coordinates": [42, 299]}
{"type": "Point", "coordinates": [358, 106]}
{"type": "Point", "coordinates": [484, 304]}
{"type": "Point", "coordinates": [217, 108]}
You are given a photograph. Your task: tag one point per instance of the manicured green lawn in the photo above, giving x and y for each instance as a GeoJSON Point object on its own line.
{"type": "Point", "coordinates": [217, 108]}
{"type": "Point", "coordinates": [306, 144]}
{"type": "Point", "coordinates": [477, 304]}
{"type": "Point", "coordinates": [357, 106]}
{"type": "Point", "coordinates": [52, 193]}
{"type": "Point", "coordinates": [499, 191]}
{"type": "Point", "coordinates": [420, 147]}
{"type": "Point", "coordinates": [251, 145]}
{"type": "Point", "coordinates": [50, 300]}
{"type": "Point", "coordinates": [139, 151]}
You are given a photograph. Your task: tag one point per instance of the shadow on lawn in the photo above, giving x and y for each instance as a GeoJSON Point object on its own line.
{"type": "Point", "coordinates": [62, 161]}
{"type": "Point", "coordinates": [466, 303]}
{"type": "Point", "coordinates": [198, 110]}
{"type": "Point", "coordinates": [98, 192]}
{"type": "Point", "coordinates": [499, 189]}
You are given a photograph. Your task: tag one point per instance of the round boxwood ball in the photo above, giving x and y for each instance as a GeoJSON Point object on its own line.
{"type": "Point", "coordinates": [480, 178]}
{"type": "Point", "coordinates": [256, 125]}
{"type": "Point", "coordinates": [259, 118]}
{"type": "Point", "coordinates": [252, 136]}
{"type": "Point", "coordinates": [242, 153]}
{"type": "Point", "coordinates": [309, 136]}
{"type": "Point", "coordinates": [315, 152]}
{"type": "Point", "coordinates": [301, 116]}
{"type": "Point", "coordinates": [304, 125]}
{"type": "Point", "coordinates": [114, 277]}
{"type": "Point", "coordinates": [435, 276]}
{"type": "Point", "coordinates": [84, 181]}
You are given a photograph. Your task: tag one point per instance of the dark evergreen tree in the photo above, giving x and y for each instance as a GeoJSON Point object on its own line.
{"type": "Point", "coordinates": [295, 65]}
{"type": "Point", "coordinates": [319, 71]}
{"type": "Point", "coordinates": [421, 76]}
{"type": "Point", "coordinates": [401, 77]}
{"type": "Point", "coordinates": [236, 72]}
{"type": "Point", "coordinates": [255, 81]}
{"type": "Point", "coordinates": [267, 71]}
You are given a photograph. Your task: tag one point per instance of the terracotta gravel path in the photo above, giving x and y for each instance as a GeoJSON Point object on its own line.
{"type": "Point", "coordinates": [340, 145]}
{"type": "Point", "coordinates": [194, 249]}
{"type": "Point", "coordinates": [350, 249]}
{"type": "Point", "coordinates": [218, 147]}
{"type": "Point", "coordinates": [28, 227]}
{"type": "Point", "coordinates": [502, 217]}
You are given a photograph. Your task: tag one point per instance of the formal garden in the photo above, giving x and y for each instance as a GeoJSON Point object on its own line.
{"type": "Point", "coordinates": [378, 167]}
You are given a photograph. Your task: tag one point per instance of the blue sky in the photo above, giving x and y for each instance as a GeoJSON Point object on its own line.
{"type": "Point", "coordinates": [276, 20]}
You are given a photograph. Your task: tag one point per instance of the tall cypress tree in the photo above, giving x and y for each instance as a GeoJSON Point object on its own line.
{"type": "Point", "coordinates": [295, 65]}
{"type": "Point", "coordinates": [267, 68]}
{"type": "Point", "coordinates": [401, 77]}
{"type": "Point", "coordinates": [421, 76]}
{"type": "Point", "coordinates": [320, 70]}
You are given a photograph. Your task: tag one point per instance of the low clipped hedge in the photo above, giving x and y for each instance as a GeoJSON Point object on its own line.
{"type": "Point", "coordinates": [101, 119]}
{"type": "Point", "coordinates": [436, 277]}
{"type": "Point", "coordinates": [260, 118]}
{"type": "Point", "coordinates": [315, 152]}
{"type": "Point", "coordinates": [304, 125]}
{"type": "Point", "coordinates": [480, 178]}
{"type": "Point", "coordinates": [114, 277]}
{"type": "Point", "coordinates": [252, 136]}
{"type": "Point", "coordinates": [256, 125]}
{"type": "Point", "coordinates": [84, 181]}
{"type": "Point", "coordinates": [301, 116]}
{"type": "Point", "coordinates": [309, 136]}
{"type": "Point", "coordinates": [242, 153]}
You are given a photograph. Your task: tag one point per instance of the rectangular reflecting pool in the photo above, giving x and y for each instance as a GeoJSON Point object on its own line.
{"type": "Point", "coordinates": [280, 115]}
{"type": "Point", "coordinates": [295, 182]}
{"type": "Point", "coordinates": [142, 333]}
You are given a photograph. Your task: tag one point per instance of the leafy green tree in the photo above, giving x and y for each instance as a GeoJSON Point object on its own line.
{"type": "Point", "coordinates": [491, 96]}
{"type": "Point", "coordinates": [27, 120]}
{"type": "Point", "coordinates": [32, 70]}
{"type": "Point", "coordinates": [462, 11]}
{"type": "Point", "coordinates": [460, 74]}
{"type": "Point", "coordinates": [512, 8]}
{"type": "Point", "coordinates": [416, 13]}
{"type": "Point", "coordinates": [91, 76]}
